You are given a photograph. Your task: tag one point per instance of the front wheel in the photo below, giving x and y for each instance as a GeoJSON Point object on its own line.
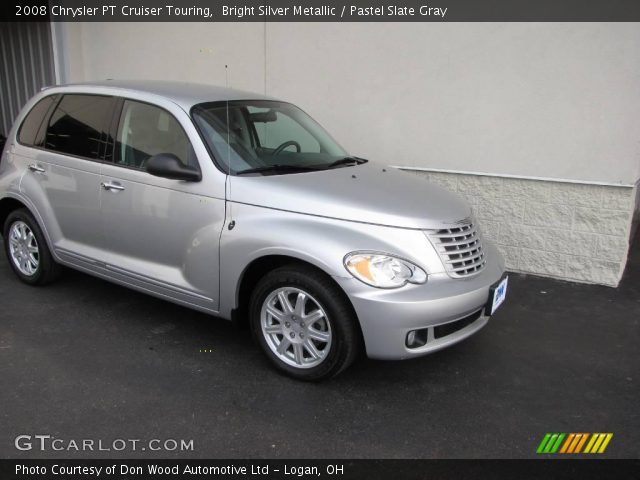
{"type": "Point", "coordinates": [303, 323]}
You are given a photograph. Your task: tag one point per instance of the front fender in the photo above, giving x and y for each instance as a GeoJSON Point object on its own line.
{"type": "Point", "coordinates": [319, 241]}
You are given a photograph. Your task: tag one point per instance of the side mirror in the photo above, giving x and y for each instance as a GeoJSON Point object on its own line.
{"type": "Point", "coordinates": [167, 165]}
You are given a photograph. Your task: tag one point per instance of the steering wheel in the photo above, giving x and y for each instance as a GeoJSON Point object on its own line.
{"type": "Point", "coordinates": [284, 145]}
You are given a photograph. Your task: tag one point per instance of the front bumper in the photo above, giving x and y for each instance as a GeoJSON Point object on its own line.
{"type": "Point", "coordinates": [387, 316]}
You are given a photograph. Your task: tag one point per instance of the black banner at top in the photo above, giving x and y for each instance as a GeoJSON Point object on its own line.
{"type": "Point", "coordinates": [320, 10]}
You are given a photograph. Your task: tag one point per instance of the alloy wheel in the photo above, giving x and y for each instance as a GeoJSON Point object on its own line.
{"type": "Point", "coordinates": [23, 248]}
{"type": "Point", "coordinates": [296, 327]}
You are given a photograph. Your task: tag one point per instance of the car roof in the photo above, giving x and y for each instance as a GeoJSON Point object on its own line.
{"type": "Point", "coordinates": [184, 94]}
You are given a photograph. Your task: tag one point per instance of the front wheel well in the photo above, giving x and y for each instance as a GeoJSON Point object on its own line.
{"type": "Point", "coordinates": [258, 269]}
{"type": "Point", "coordinates": [8, 205]}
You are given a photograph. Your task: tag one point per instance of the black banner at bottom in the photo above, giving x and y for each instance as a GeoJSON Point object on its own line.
{"type": "Point", "coordinates": [312, 469]}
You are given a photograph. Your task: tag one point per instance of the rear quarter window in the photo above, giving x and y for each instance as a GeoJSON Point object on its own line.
{"type": "Point", "coordinates": [32, 123]}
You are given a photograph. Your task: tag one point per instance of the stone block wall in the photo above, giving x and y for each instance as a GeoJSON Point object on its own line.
{"type": "Point", "coordinates": [571, 231]}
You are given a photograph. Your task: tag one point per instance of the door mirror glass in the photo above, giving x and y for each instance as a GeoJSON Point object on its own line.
{"type": "Point", "coordinates": [167, 165]}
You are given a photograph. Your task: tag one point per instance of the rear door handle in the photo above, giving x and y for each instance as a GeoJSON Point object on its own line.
{"type": "Point", "coordinates": [112, 186]}
{"type": "Point", "coordinates": [35, 168]}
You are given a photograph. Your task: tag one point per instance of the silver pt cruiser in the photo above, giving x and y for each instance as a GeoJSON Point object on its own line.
{"type": "Point", "coordinates": [243, 207]}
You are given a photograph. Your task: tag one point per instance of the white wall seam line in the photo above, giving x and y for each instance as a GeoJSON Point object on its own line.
{"type": "Point", "coordinates": [521, 177]}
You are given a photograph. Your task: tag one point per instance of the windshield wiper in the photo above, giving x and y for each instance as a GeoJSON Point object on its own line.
{"type": "Point", "coordinates": [277, 168]}
{"type": "Point", "coordinates": [346, 161]}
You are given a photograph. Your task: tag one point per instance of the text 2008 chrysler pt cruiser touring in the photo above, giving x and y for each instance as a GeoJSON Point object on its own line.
{"type": "Point", "coordinates": [242, 206]}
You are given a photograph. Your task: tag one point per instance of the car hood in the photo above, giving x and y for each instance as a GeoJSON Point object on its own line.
{"type": "Point", "coordinates": [368, 193]}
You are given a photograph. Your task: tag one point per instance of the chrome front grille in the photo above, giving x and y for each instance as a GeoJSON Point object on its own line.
{"type": "Point", "coordinates": [460, 249]}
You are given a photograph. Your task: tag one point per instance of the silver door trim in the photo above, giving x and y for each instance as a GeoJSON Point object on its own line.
{"type": "Point", "coordinates": [71, 256]}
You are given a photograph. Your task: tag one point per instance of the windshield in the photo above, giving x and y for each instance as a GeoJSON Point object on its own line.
{"type": "Point", "coordinates": [265, 137]}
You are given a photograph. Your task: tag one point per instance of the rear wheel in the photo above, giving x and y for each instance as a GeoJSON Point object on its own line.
{"type": "Point", "coordinates": [303, 323]}
{"type": "Point", "coordinates": [27, 250]}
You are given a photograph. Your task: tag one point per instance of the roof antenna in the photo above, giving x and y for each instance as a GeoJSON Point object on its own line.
{"type": "Point", "coordinates": [226, 75]}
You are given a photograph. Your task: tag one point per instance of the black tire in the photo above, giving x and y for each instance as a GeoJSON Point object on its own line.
{"type": "Point", "coordinates": [345, 341]}
{"type": "Point", "coordinates": [47, 270]}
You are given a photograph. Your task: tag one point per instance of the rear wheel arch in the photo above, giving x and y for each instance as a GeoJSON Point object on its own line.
{"type": "Point", "coordinates": [8, 205]}
{"type": "Point", "coordinates": [11, 204]}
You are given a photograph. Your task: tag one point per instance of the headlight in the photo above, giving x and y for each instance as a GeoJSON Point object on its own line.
{"type": "Point", "coordinates": [383, 271]}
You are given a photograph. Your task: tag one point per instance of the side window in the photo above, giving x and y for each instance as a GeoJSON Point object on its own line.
{"type": "Point", "coordinates": [281, 129]}
{"type": "Point", "coordinates": [28, 134]}
{"type": "Point", "coordinates": [78, 124]}
{"type": "Point", "coordinates": [146, 130]}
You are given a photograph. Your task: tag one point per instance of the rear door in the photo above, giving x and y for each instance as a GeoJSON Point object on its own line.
{"type": "Point", "coordinates": [162, 235]}
{"type": "Point", "coordinates": [63, 175]}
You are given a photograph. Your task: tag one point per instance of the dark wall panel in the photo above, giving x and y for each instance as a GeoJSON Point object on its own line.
{"type": "Point", "coordinates": [26, 65]}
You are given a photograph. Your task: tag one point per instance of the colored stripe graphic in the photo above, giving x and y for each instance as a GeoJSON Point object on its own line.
{"type": "Point", "coordinates": [556, 445]}
{"type": "Point", "coordinates": [598, 442]}
{"type": "Point", "coordinates": [596, 445]}
{"type": "Point", "coordinates": [543, 443]}
{"type": "Point", "coordinates": [591, 442]}
{"type": "Point", "coordinates": [567, 443]}
{"type": "Point", "coordinates": [573, 443]}
{"type": "Point", "coordinates": [550, 443]}
{"type": "Point", "coordinates": [581, 442]}
{"type": "Point", "coordinates": [576, 439]}
{"type": "Point", "coordinates": [605, 443]}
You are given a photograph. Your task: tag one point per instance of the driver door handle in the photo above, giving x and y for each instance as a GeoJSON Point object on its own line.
{"type": "Point", "coordinates": [112, 186]}
{"type": "Point", "coordinates": [35, 168]}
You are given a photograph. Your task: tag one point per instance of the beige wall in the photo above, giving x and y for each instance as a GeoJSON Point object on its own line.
{"type": "Point", "coordinates": [546, 100]}
{"type": "Point", "coordinates": [196, 52]}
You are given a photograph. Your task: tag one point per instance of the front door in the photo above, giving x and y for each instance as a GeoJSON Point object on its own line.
{"type": "Point", "coordinates": [161, 235]}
